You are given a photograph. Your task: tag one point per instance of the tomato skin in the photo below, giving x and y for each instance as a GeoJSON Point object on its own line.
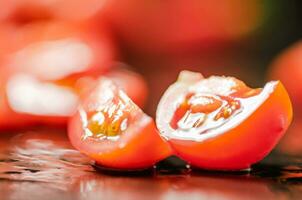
{"type": "Point", "coordinates": [244, 144]}
{"type": "Point", "coordinates": [140, 146]}
{"type": "Point", "coordinates": [287, 68]}
{"type": "Point", "coordinates": [143, 150]}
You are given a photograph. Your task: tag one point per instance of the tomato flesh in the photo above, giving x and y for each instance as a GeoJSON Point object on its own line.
{"type": "Point", "coordinates": [197, 108]}
{"type": "Point", "coordinates": [233, 126]}
{"type": "Point", "coordinates": [113, 131]}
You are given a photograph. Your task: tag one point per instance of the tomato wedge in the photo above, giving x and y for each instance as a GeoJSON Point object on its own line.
{"type": "Point", "coordinates": [113, 131]}
{"type": "Point", "coordinates": [219, 123]}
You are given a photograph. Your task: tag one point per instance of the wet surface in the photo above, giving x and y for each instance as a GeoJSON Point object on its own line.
{"type": "Point", "coordinates": [41, 164]}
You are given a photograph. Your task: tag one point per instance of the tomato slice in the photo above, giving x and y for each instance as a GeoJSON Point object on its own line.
{"type": "Point", "coordinates": [113, 131]}
{"type": "Point", "coordinates": [220, 123]}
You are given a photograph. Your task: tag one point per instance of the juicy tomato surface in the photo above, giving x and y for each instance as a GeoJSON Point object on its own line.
{"type": "Point", "coordinates": [287, 67]}
{"type": "Point", "coordinates": [220, 123]}
{"type": "Point", "coordinates": [109, 128]}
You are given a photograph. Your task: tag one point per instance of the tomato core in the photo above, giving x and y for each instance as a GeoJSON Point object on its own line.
{"type": "Point", "coordinates": [204, 111]}
{"type": "Point", "coordinates": [108, 122]}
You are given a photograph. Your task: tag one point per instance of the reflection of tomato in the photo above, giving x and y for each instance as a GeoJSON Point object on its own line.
{"type": "Point", "coordinates": [132, 83]}
{"type": "Point", "coordinates": [288, 68]}
{"type": "Point", "coordinates": [113, 187]}
{"type": "Point", "coordinates": [220, 123]}
{"type": "Point", "coordinates": [179, 25]}
{"type": "Point", "coordinates": [112, 130]}
{"type": "Point", "coordinates": [217, 187]}
{"type": "Point", "coordinates": [71, 10]}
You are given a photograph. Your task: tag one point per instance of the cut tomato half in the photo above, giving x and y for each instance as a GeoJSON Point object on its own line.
{"type": "Point", "coordinates": [113, 131]}
{"type": "Point", "coordinates": [220, 123]}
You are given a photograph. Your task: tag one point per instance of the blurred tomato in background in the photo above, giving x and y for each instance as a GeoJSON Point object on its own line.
{"type": "Point", "coordinates": [41, 65]}
{"type": "Point", "coordinates": [287, 67]}
{"type": "Point", "coordinates": [178, 26]}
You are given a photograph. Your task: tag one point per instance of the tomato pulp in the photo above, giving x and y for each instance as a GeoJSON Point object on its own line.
{"type": "Point", "coordinates": [114, 131]}
{"type": "Point", "coordinates": [220, 123]}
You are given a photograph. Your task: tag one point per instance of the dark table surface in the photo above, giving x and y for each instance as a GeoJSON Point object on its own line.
{"type": "Point", "coordinates": [41, 164]}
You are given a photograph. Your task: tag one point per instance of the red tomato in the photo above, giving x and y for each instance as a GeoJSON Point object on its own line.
{"type": "Point", "coordinates": [288, 68]}
{"type": "Point", "coordinates": [179, 25]}
{"type": "Point", "coordinates": [68, 10]}
{"type": "Point", "coordinates": [113, 131]}
{"type": "Point", "coordinates": [41, 69]}
{"type": "Point", "coordinates": [220, 123]}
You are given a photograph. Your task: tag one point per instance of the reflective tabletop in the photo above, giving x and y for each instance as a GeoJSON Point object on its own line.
{"type": "Point", "coordinates": [41, 164]}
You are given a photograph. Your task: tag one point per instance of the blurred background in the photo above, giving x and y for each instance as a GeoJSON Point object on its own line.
{"type": "Point", "coordinates": [51, 51]}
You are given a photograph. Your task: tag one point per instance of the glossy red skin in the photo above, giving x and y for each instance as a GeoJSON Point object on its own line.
{"type": "Point", "coordinates": [287, 67]}
{"type": "Point", "coordinates": [139, 146]}
{"type": "Point", "coordinates": [177, 26]}
{"type": "Point", "coordinates": [246, 143]}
